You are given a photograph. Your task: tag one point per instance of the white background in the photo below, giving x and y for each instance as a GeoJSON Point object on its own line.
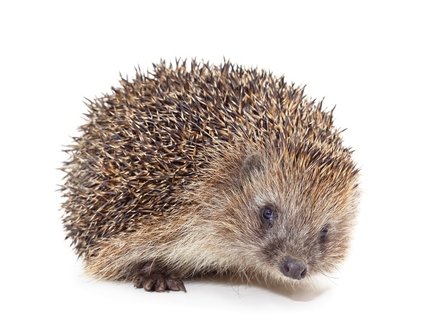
{"type": "Point", "coordinates": [383, 63]}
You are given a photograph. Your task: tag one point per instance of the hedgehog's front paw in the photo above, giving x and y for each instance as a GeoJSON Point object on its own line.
{"type": "Point", "coordinates": [159, 283]}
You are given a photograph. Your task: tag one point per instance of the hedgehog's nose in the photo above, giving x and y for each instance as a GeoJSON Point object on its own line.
{"type": "Point", "coordinates": [293, 268]}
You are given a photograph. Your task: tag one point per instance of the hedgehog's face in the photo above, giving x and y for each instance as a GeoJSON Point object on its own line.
{"type": "Point", "coordinates": [295, 223]}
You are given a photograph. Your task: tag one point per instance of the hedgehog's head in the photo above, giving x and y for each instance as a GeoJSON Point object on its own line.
{"type": "Point", "coordinates": [290, 212]}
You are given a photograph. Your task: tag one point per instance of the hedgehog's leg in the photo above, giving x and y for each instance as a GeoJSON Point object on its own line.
{"type": "Point", "coordinates": [130, 257]}
{"type": "Point", "coordinates": [152, 279]}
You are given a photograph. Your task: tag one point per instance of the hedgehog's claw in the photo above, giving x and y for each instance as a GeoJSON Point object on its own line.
{"type": "Point", "coordinates": [159, 283]}
{"type": "Point", "coordinates": [175, 285]}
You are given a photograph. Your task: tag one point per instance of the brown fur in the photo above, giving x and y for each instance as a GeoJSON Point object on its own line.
{"type": "Point", "coordinates": [173, 170]}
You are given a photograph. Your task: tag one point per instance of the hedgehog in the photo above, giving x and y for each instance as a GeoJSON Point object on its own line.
{"type": "Point", "coordinates": [194, 169]}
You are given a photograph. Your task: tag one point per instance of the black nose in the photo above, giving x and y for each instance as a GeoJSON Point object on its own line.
{"type": "Point", "coordinates": [293, 268]}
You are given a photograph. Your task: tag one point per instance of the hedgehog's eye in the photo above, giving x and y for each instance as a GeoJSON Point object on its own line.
{"type": "Point", "coordinates": [268, 215]}
{"type": "Point", "coordinates": [324, 232]}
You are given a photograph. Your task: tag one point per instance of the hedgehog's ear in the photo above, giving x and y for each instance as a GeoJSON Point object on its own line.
{"type": "Point", "coordinates": [251, 165]}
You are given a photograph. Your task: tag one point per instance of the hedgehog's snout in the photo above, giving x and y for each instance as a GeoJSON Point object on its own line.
{"type": "Point", "coordinates": [293, 268]}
